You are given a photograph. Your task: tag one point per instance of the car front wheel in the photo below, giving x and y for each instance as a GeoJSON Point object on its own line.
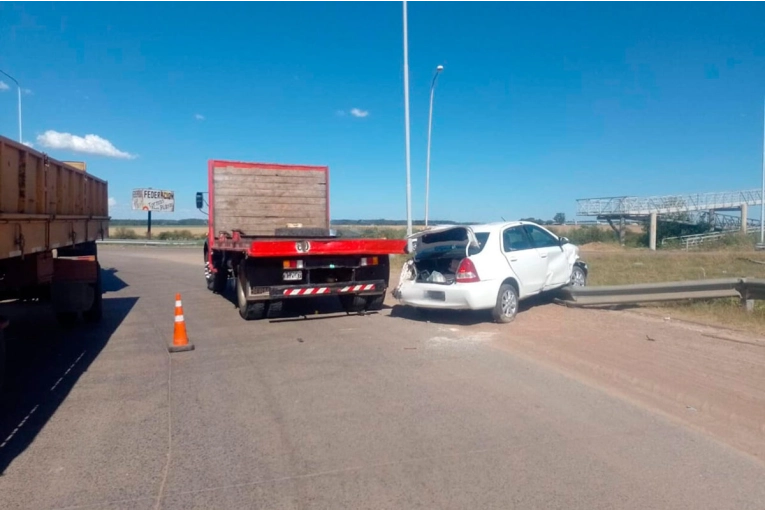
{"type": "Point", "coordinates": [507, 304]}
{"type": "Point", "coordinates": [578, 277]}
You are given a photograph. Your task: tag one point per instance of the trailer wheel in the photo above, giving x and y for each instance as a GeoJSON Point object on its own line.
{"type": "Point", "coordinates": [249, 310]}
{"type": "Point", "coordinates": [353, 303]}
{"type": "Point", "coordinates": [95, 312]}
{"type": "Point", "coordinates": [3, 324]}
{"type": "Point", "coordinates": [66, 318]}
{"type": "Point", "coordinates": [375, 303]}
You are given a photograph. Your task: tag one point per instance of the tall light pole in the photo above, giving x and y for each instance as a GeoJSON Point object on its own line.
{"type": "Point", "coordinates": [19, 89]}
{"type": "Point", "coordinates": [762, 197]}
{"type": "Point", "coordinates": [430, 129]}
{"type": "Point", "coordinates": [406, 121]}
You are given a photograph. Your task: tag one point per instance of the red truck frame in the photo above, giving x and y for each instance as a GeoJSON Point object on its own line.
{"type": "Point", "coordinates": [295, 263]}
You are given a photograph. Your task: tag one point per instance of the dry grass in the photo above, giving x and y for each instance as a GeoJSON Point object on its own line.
{"type": "Point", "coordinates": [156, 230]}
{"type": "Point", "coordinates": [643, 266]}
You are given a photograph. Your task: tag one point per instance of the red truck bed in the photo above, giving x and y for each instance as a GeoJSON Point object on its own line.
{"type": "Point", "coordinates": [269, 230]}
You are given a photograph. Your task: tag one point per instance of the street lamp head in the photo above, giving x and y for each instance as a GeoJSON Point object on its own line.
{"type": "Point", "coordinates": [439, 69]}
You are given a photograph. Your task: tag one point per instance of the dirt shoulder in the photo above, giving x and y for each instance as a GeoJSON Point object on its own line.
{"type": "Point", "coordinates": [710, 379]}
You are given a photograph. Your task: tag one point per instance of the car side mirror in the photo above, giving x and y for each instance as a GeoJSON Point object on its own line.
{"type": "Point", "coordinates": [564, 240]}
{"type": "Point", "coordinates": [200, 200]}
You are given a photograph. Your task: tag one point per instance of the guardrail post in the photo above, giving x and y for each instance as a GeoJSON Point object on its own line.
{"type": "Point", "coordinates": [747, 304]}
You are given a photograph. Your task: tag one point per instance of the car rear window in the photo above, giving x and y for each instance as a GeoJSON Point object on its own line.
{"type": "Point", "coordinates": [482, 238]}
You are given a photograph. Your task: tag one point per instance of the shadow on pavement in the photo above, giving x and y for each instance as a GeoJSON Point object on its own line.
{"type": "Point", "coordinates": [44, 362]}
{"type": "Point", "coordinates": [110, 282]}
{"type": "Point", "coordinates": [462, 317]}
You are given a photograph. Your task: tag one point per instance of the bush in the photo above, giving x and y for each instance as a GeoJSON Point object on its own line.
{"type": "Point", "coordinates": [176, 235]}
{"type": "Point", "coordinates": [590, 234]}
{"type": "Point", "coordinates": [123, 233]}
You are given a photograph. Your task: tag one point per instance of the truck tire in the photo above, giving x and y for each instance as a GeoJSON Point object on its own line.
{"type": "Point", "coordinates": [66, 318]}
{"type": "Point", "coordinates": [3, 323]}
{"type": "Point", "coordinates": [95, 313]}
{"type": "Point", "coordinates": [375, 303]}
{"type": "Point", "coordinates": [353, 303]}
{"type": "Point", "coordinates": [274, 309]}
{"type": "Point", "coordinates": [218, 281]}
{"type": "Point", "coordinates": [248, 310]}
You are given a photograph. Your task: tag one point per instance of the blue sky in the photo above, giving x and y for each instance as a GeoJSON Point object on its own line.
{"type": "Point", "coordinates": [539, 104]}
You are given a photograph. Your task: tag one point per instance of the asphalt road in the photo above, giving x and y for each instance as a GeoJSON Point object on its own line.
{"type": "Point", "coordinates": [329, 411]}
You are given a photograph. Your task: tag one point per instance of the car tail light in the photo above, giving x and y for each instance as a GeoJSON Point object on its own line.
{"type": "Point", "coordinates": [370, 261]}
{"type": "Point", "coordinates": [466, 272]}
{"type": "Point", "coordinates": [292, 264]}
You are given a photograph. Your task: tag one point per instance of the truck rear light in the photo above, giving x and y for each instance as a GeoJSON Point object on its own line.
{"type": "Point", "coordinates": [466, 272]}
{"type": "Point", "coordinates": [292, 264]}
{"type": "Point", "coordinates": [370, 261]}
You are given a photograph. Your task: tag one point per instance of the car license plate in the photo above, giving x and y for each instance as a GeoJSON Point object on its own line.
{"type": "Point", "coordinates": [437, 295]}
{"type": "Point", "coordinates": [291, 276]}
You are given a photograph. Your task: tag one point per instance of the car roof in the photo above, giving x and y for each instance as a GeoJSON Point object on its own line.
{"type": "Point", "coordinates": [498, 225]}
{"type": "Point", "coordinates": [481, 228]}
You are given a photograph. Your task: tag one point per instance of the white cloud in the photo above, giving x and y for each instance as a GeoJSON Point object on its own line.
{"type": "Point", "coordinates": [199, 116]}
{"type": "Point", "coordinates": [89, 144]}
{"type": "Point", "coordinates": [112, 202]}
{"type": "Point", "coordinates": [29, 144]}
{"type": "Point", "coordinates": [3, 85]}
{"type": "Point", "coordinates": [340, 113]}
{"type": "Point", "coordinates": [28, 92]}
{"type": "Point", "coordinates": [359, 113]}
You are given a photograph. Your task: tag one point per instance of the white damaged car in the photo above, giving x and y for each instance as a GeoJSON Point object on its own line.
{"type": "Point", "coordinates": [487, 267]}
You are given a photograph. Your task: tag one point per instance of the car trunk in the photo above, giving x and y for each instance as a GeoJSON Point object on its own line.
{"type": "Point", "coordinates": [438, 254]}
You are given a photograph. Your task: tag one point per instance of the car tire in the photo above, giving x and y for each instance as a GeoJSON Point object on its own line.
{"type": "Point", "coordinates": [578, 277]}
{"type": "Point", "coordinates": [507, 304]}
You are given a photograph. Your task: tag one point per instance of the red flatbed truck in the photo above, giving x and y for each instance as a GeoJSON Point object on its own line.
{"type": "Point", "coordinates": [269, 230]}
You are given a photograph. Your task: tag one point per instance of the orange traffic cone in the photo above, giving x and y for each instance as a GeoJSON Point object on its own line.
{"type": "Point", "coordinates": [180, 338]}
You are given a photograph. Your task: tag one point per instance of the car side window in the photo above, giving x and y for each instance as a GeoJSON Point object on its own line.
{"type": "Point", "coordinates": [540, 238]}
{"type": "Point", "coordinates": [515, 239]}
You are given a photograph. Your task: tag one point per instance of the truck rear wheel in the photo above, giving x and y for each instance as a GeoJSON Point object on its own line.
{"type": "Point", "coordinates": [248, 310]}
{"type": "Point", "coordinates": [217, 281]}
{"type": "Point", "coordinates": [353, 303]}
{"type": "Point", "coordinates": [375, 303]}
{"type": "Point", "coordinates": [3, 324]}
{"type": "Point", "coordinates": [95, 312]}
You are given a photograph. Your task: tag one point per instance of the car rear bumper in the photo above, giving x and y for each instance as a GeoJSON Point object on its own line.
{"type": "Point", "coordinates": [458, 296]}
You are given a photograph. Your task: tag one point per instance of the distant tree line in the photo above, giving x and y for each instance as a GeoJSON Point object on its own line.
{"type": "Point", "coordinates": [188, 222]}
{"type": "Point", "coordinates": [558, 219]}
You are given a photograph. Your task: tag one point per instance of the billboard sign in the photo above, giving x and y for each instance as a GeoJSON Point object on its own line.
{"type": "Point", "coordinates": [153, 200]}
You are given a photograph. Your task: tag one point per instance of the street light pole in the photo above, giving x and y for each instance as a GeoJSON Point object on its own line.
{"type": "Point", "coordinates": [406, 121]}
{"type": "Point", "coordinates": [430, 129]}
{"type": "Point", "coordinates": [762, 196]}
{"type": "Point", "coordinates": [19, 91]}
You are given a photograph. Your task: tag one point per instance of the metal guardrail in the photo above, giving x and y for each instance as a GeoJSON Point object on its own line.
{"type": "Point", "coordinates": [746, 289]}
{"type": "Point", "coordinates": [692, 240]}
{"type": "Point", "coordinates": [146, 242]}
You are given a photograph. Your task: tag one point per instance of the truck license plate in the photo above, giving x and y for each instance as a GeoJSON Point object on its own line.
{"type": "Point", "coordinates": [291, 276]}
